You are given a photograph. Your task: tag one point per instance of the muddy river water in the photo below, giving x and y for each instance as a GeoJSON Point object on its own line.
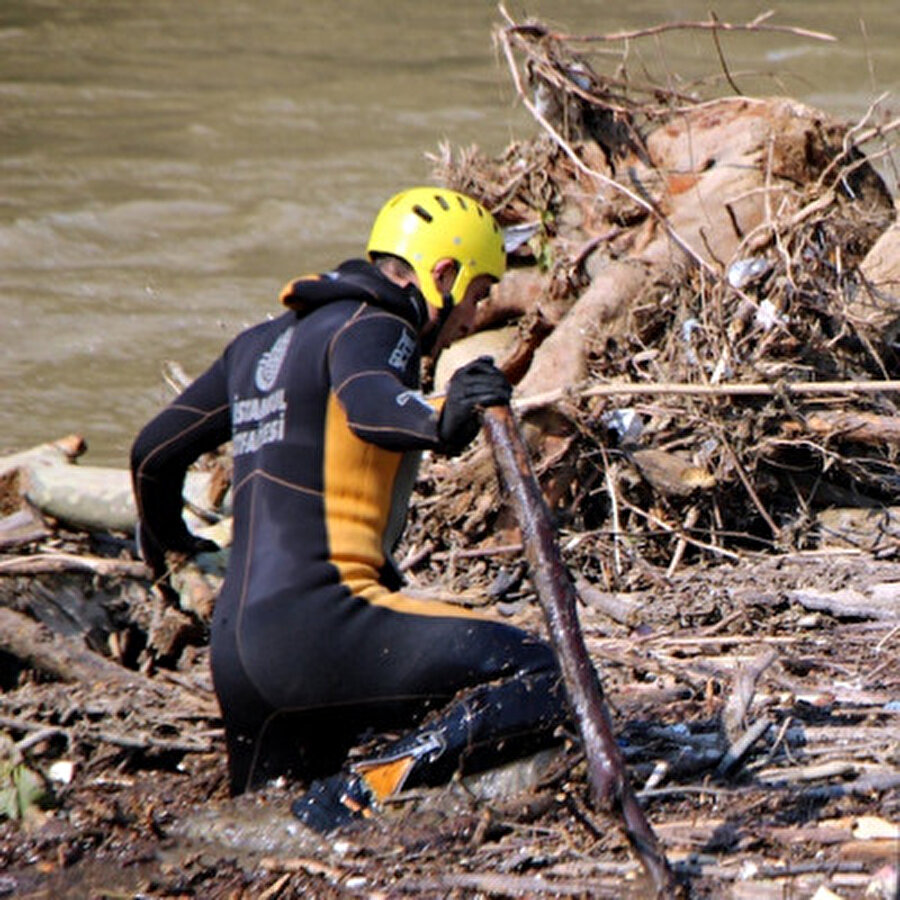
{"type": "Point", "coordinates": [166, 167]}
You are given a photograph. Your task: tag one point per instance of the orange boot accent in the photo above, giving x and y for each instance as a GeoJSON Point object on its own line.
{"type": "Point", "coordinates": [385, 779]}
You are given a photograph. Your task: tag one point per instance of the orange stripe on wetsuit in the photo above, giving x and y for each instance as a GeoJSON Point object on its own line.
{"type": "Point", "coordinates": [360, 481]}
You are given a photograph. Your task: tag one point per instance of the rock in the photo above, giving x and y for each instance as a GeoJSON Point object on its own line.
{"type": "Point", "coordinates": [517, 777]}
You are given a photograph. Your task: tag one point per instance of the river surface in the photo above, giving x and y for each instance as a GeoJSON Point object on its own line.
{"type": "Point", "coordinates": [167, 166]}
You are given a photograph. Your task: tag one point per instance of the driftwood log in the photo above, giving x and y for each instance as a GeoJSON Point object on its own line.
{"type": "Point", "coordinates": [610, 787]}
{"type": "Point", "coordinates": [49, 479]}
{"type": "Point", "coordinates": [64, 658]}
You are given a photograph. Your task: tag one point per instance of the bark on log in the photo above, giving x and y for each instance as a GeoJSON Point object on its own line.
{"type": "Point", "coordinates": [46, 563]}
{"type": "Point", "coordinates": [84, 496]}
{"type": "Point", "coordinates": [877, 304]}
{"type": "Point", "coordinates": [733, 389]}
{"type": "Point", "coordinates": [879, 601]}
{"type": "Point", "coordinates": [867, 428]}
{"type": "Point", "coordinates": [603, 309]}
{"type": "Point", "coordinates": [623, 608]}
{"type": "Point", "coordinates": [670, 473]}
{"type": "Point", "coordinates": [610, 787]}
{"type": "Point", "coordinates": [21, 527]}
{"type": "Point", "coordinates": [63, 658]}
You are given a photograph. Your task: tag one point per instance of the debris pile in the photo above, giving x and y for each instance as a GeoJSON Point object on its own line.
{"type": "Point", "coordinates": [695, 324]}
{"type": "Point", "coordinates": [701, 322]}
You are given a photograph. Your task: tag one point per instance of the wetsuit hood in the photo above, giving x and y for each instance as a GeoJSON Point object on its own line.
{"type": "Point", "coordinates": [356, 279]}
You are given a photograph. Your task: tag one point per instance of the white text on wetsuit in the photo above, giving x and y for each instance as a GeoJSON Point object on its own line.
{"type": "Point", "coordinates": [265, 418]}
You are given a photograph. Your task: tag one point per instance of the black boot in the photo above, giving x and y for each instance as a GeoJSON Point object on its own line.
{"type": "Point", "coordinates": [482, 728]}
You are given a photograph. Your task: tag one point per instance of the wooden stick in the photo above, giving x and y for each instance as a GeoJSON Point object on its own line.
{"type": "Point", "coordinates": [712, 24]}
{"type": "Point", "coordinates": [610, 787]}
{"type": "Point", "coordinates": [44, 563]}
{"type": "Point", "coordinates": [737, 389]}
{"type": "Point", "coordinates": [739, 748]}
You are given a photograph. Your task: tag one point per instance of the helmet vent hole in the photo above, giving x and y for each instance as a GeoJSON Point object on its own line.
{"type": "Point", "coordinates": [442, 202]}
{"type": "Point", "coordinates": [423, 213]}
{"type": "Point", "coordinates": [462, 202]}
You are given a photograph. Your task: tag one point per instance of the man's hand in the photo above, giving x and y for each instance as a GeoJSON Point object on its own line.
{"type": "Point", "coordinates": [473, 387]}
{"type": "Point", "coordinates": [154, 554]}
{"type": "Point", "coordinates": [191, 545]}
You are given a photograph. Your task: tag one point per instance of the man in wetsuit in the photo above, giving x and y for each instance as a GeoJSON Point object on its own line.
{"type": "Point", "coordinates": [313, 644]}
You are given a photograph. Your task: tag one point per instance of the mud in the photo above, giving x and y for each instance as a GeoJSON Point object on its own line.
{"type": "Point", "coordinates": [783, 820]}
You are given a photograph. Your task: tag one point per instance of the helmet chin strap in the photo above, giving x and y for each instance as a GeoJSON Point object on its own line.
{"type": "Point", "coordinates": [447, 304]}
{"type": "Point", "coordinates": [430, 339]}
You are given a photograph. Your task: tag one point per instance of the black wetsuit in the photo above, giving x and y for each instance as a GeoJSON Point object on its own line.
{"type": "Point", "coordinates": [313, 645]}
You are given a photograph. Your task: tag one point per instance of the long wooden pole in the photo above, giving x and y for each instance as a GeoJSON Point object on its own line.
{"type": "Point", "coordinates": [733, 389]}
{"type": "Point", "coordinates": [610, 787]}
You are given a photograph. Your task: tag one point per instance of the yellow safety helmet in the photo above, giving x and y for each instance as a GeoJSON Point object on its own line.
{"type": "Point", "coordinates": [424, 225]}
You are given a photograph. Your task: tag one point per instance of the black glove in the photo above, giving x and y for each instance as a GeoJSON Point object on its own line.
{"type": "Point", "coordinates": [475, 386]}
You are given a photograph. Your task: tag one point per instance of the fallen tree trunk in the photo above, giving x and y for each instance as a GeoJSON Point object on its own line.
{"type": "Point", "coordinates": [610, 787]}
{"type": "Point", "coordinates": [96, 497]}
{"type": "Point", "coordinates": [63, 451]}
{"type": "Point", "coordinates": [61, 657]}
{"type": "Point", "coordinates": [92, 497]}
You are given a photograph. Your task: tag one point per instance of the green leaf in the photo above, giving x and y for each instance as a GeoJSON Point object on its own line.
{"type": "Point", "coordinates": [31, 789]}
{"type": "Point", "coordinates": [9, 802]}
{"type": "Point", "coordinates": [22, 791]}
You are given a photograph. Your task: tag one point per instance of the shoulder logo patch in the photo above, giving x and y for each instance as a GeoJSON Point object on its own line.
{"type": "Point", "coordinates": [269, 364]}
{"type": "Point", "coordinates": [402, 352]}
